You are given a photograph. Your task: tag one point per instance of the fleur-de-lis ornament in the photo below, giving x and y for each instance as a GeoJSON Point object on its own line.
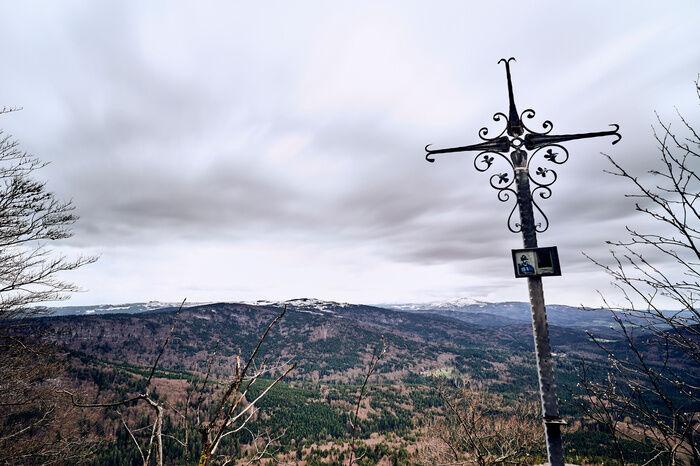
{"type": "Point", "coordinates": [542, 171]}
{"type": "Point", "coordinates": [502, 178]}
{"type": "Point", "coordinates": [551, 155]}
{"type": "Point", "coordinates": [488, 160]}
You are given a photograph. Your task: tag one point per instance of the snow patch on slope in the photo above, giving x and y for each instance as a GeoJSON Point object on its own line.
{"type": "Point", "coordinates": [307, 305]}
{"type": "Point", "coordinates": [450, 305]}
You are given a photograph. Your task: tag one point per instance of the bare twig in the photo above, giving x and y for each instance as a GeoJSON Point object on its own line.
{"type": "Point", "coordinates": [165, 343]}
{"type": "Point", "coordinates": [376, 356]}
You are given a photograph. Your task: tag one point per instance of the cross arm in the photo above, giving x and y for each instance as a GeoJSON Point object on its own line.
{"type": "Point", "coordinates": [534, 141]}
{"type": "Point", "coordinates": [501, 144]}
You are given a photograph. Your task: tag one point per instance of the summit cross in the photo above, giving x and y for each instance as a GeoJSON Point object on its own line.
{"type": "Point", "coordinates": [515, 182]}
{"type": "Point", "coordinates": [515, 128]}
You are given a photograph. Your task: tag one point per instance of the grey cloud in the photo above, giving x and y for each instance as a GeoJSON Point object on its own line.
{"type": "Point", "coordinates": [224, 202]}
{"type": "Point", "coordinates": [159, 148]}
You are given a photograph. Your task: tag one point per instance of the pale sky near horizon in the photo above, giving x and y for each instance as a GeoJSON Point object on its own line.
{"type": "Point", "coordinates": [225, 151]}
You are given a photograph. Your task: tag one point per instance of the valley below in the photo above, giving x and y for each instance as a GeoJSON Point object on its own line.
{"type": "Point", "coordinates": [437, 357]}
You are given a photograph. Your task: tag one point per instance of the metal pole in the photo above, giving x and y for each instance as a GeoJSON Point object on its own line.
{"type": "Point", "coordinates": [543, 351]}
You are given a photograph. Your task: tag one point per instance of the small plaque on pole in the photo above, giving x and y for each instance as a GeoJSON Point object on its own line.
{"type": "Point", "coordinates": [536, 262]}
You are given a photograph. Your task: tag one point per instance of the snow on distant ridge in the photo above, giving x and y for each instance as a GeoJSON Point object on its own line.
{"type": "Point", "coordinates": [260, 302]}
{"type": "Point", "coordinates": [313, 305]}
{"type": "Point", "coordinates": [125, 308]}
{"type": "Point", "coordinates": [450, 305]}
{"type": "Point", "coordinates": [328, 307]}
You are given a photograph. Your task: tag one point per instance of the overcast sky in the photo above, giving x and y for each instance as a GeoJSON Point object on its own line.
{"type": "Point", "coordinates": [273, 150]}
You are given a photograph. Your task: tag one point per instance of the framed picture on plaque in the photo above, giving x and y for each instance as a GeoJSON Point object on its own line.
{"type": "Point", "coordinates": [536, 262]}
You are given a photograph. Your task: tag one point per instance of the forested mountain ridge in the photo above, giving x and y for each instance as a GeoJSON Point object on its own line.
{"type": "Point", "coordinates": [109, 355]}
{"type": "Point", "coordinates": [330, 342]}
{"type": "Point", "coordinates": [478, 312]}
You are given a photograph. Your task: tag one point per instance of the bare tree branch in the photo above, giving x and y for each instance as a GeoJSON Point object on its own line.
{"type": "Point", "coordinates": [31, 217]}
{"type": "Point", "coordinates": [652, 391]}
{"type": "Point", "coordinates": [376, 356]}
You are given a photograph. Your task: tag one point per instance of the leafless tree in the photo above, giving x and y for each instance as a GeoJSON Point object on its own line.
{"type": "Point", "coordinates": [233, 409]}
{"type": "Point", "coordinates": [30, 218]}
{"type": "Point", "coordinates": [652, 391]}
{"type": "Point", "coordinates": [154, 445]}
{"type": "Point", "coordinates": [478, 427]}
{"type": "Point", "coordinates": [377, 354]}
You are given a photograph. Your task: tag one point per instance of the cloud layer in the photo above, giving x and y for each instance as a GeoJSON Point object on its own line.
{"type": "Point", "coordinates": [239, 151]}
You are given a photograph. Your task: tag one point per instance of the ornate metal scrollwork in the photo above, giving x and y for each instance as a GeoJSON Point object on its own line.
{"type": "Point", "coordinates": [530, 114]}
{"type": "Point", "coordinates": [544, 177]}
{"type": "Point", "coordinates": [543, 192]}
{"type": "Point", "coordinates": [519, 137]}
{"type": "Point", "coordinates": [484, 131]}
{"type": "Point", "coordinates": [502, 182]}
{"type": "Point", "coordinates": [513, 226]}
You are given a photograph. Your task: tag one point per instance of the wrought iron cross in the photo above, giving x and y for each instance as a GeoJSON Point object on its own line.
{"type": "Point", "coordinates": [516, 181]}
{"type": "Point", "coordinates": [520, 137]}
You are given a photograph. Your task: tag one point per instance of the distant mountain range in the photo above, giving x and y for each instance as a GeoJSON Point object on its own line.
{"type": "Point", "coordinates": [463, 309]}
{"type": "Point", "coordinates": [330, 341]}
{"type": "Point", "coordinates": [513, 312]}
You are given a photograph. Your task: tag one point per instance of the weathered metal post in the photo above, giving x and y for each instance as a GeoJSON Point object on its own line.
{"type": "Point", "coordinates": [540, 329]}
{"type": "Point", "coordinates": [515, 182]}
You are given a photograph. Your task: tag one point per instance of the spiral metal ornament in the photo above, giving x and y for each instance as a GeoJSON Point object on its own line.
{"type": "Point", "coordinates": [511, 223]}
{"type": "Point", "coordinates": [551, 153]}
{"type": "Point", "coordinates": [530, 114]}
{"type": "Point", "coordinates": [543, 192]}
{"type": "Point", "coordinates": [483, 132]}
